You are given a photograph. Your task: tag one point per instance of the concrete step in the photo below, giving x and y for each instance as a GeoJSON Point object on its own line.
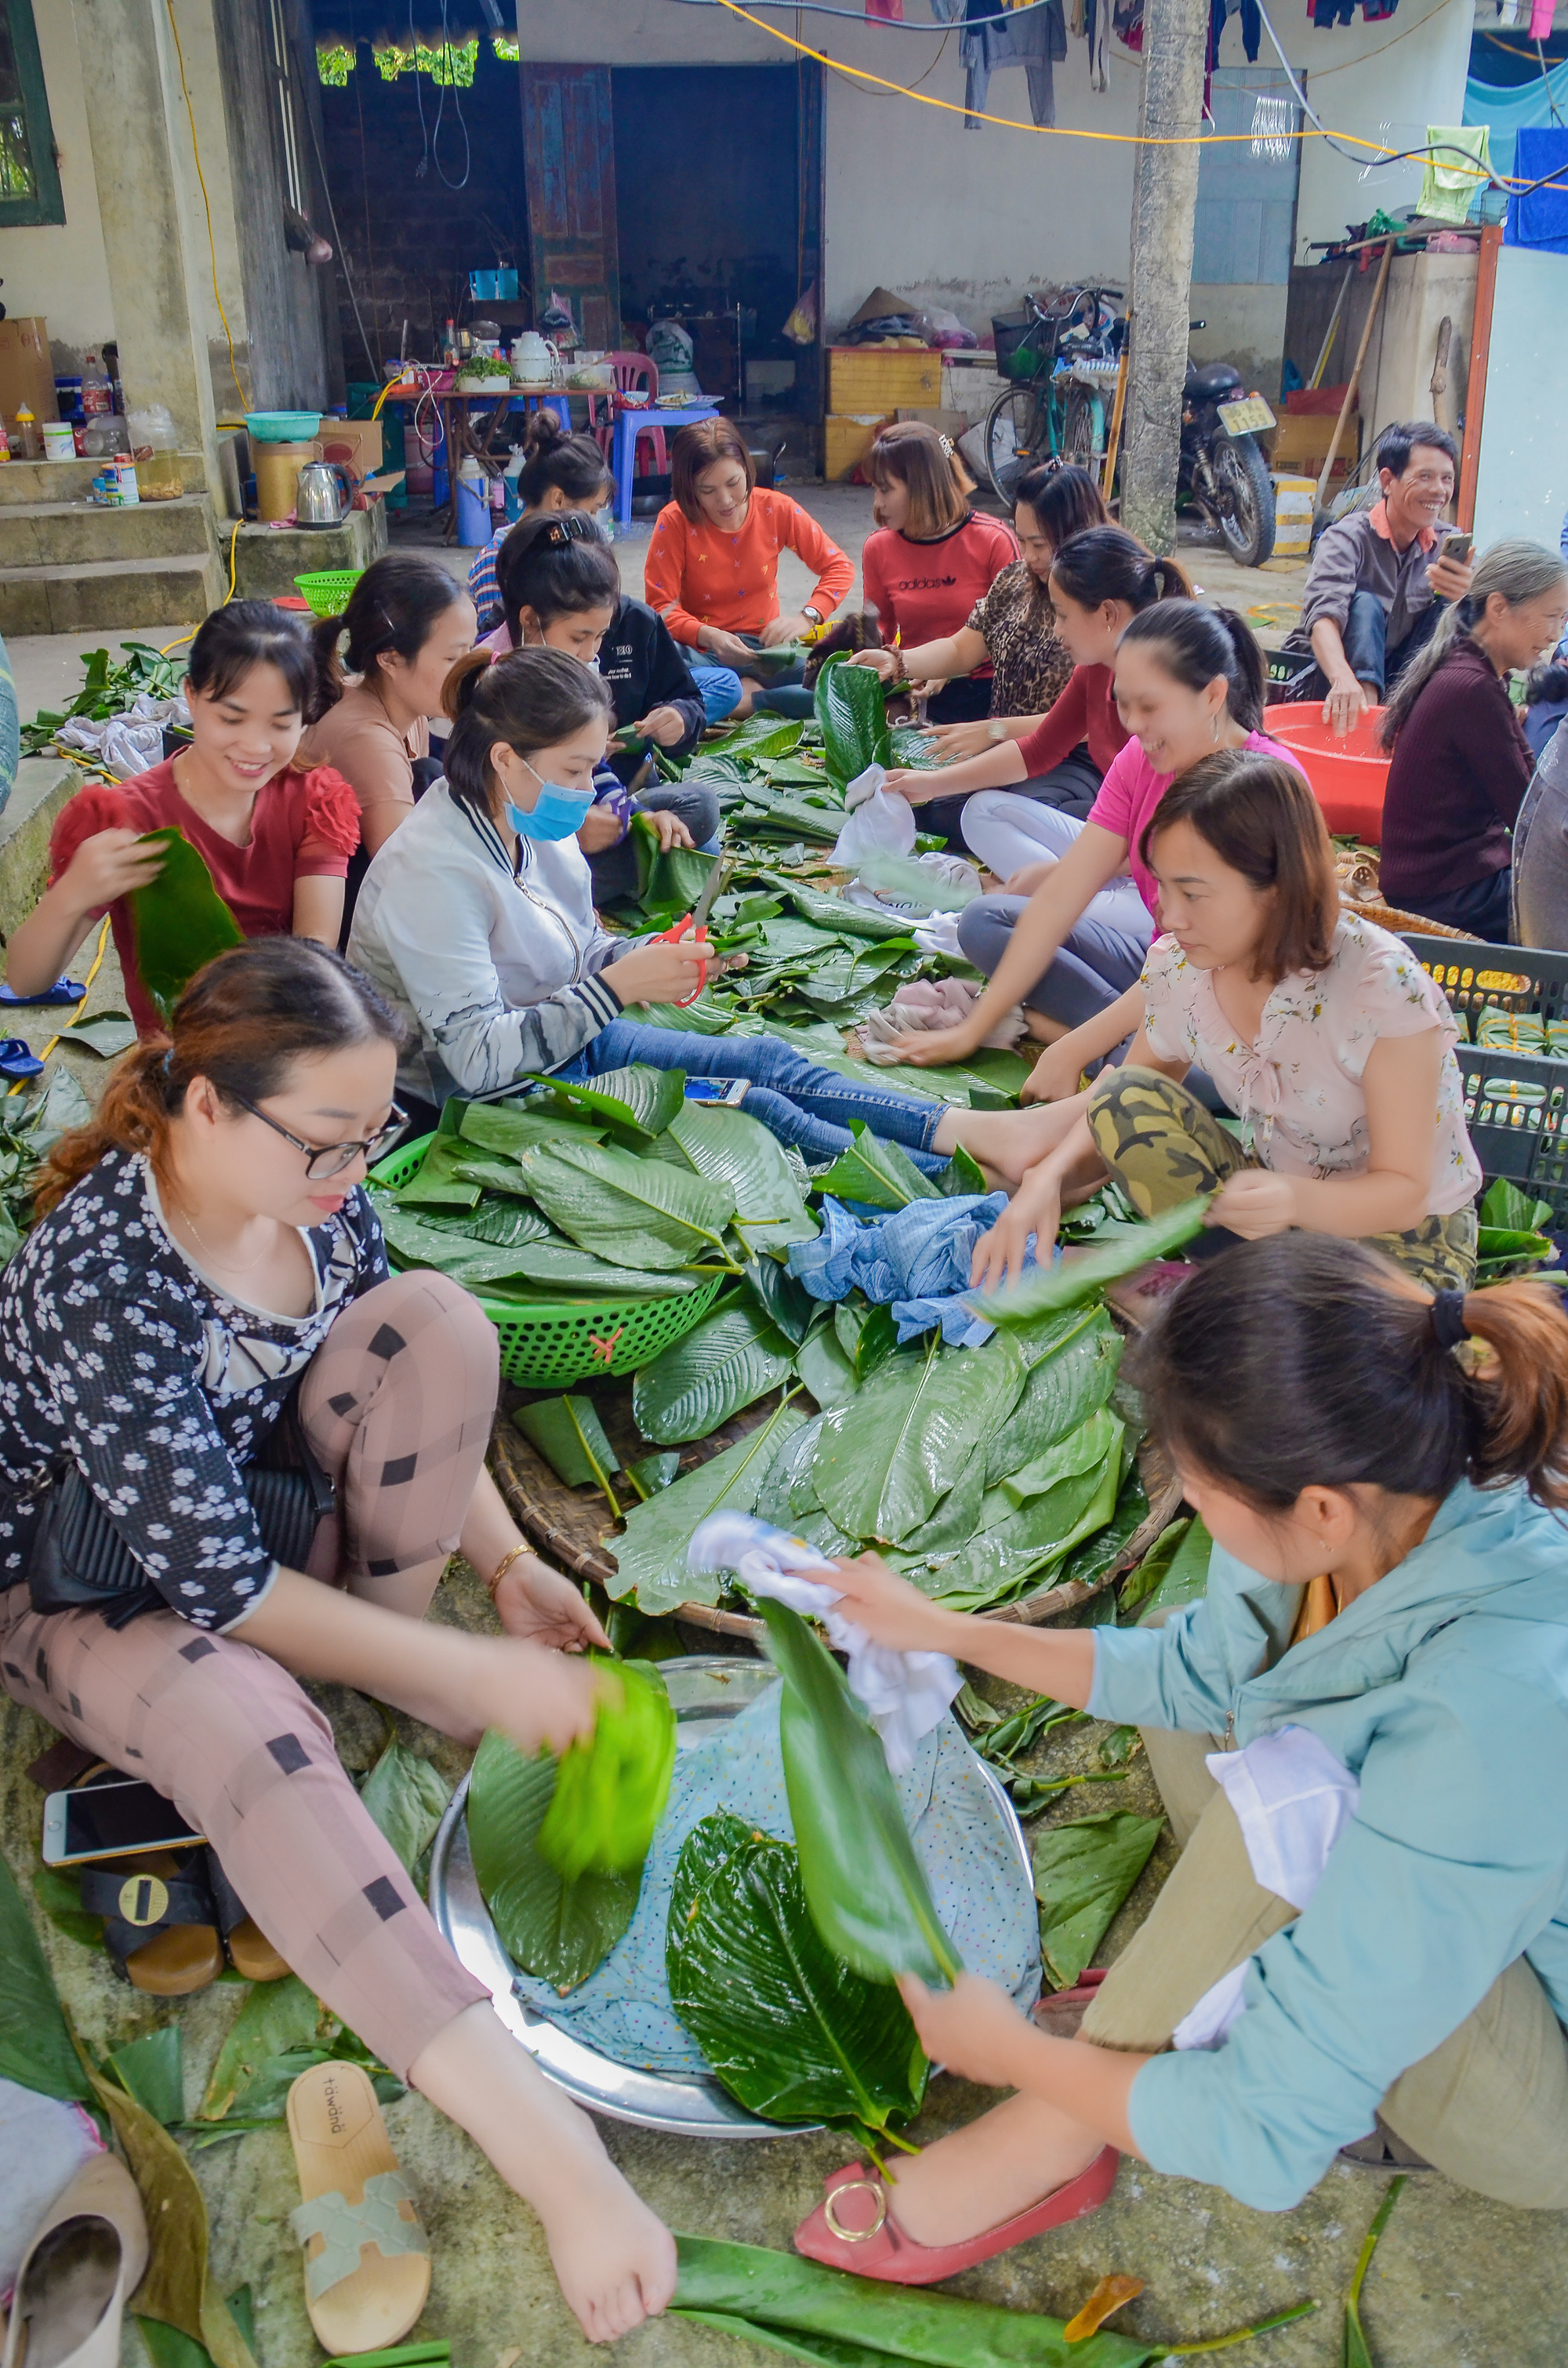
{"type": "Point", "coordinates": [89, 597]}
{"type": "Point", "coordinates": [74, 533]}
{"type": "Point", "coordinates": [23, 483]}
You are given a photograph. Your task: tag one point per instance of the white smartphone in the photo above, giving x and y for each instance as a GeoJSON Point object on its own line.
{"type": "Point", "coordinates": [111, 1821]}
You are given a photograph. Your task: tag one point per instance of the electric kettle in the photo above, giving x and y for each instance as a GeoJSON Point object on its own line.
{"type": "Point", "coordinates": [324, 496]}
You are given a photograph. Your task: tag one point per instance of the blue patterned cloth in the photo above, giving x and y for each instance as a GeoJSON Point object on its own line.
{"type": "Point", "coordinates": [916, 1262]}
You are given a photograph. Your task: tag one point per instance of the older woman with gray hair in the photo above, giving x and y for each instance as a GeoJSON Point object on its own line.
{"type": "Point", "coordinates": [1461, 763]}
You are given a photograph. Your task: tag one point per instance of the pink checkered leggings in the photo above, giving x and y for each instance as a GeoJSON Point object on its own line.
{"type": "Point", "coordinates": [227, 1734]}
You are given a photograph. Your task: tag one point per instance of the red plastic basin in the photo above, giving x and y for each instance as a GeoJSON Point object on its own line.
{"type": "Point", "coordinates": [1348, 776]}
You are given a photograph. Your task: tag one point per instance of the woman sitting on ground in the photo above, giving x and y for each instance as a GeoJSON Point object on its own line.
{"type": "Point", "coordinates": [932, 560]}
{"type": "Point", "coordinates": [208, 1268]}
{"type": "Point", "coordinates": [1460, 760]}
{"type": "Point", "coordinates": [477, 921]}
{"type": "Point", "coordinates": [1189, 680]}
{"type": "Point", "coordinates": [562, 591]}
{"type": "Point", "coordinates": [276, 835]}
{"type": "Point", "coordinates": [1390, 1976]}
{"type": "Point", "coordinates": [1013, 628]}
{"type": "Point", "coordinates": [712, 564]}
{"type": "Point", "coordinates": [1320, 1030]}
{"type": "Point", "coordinates": [406, 624]}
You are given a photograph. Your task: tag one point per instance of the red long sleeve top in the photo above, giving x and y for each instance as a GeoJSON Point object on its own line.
{"type": "Point", "coordinates": [696, 576]}
{"type": "Point", "coordinates": [924, 591]}
{"type": "Point", "coordinates": [1085, 710]}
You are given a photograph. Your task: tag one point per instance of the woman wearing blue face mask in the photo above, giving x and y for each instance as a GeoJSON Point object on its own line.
{"type": "Point", "coordinates": [476, 920]}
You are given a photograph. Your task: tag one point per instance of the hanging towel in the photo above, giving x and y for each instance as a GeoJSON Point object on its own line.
{"type": "Point", "coordinates": [1540, 219]}
{"type": "Point", "coordinates": [1293, 1799]}
{"type": "Point", "coordinates": [1450, 187]}
{"type": "Point", "coordinates": [905, 1695]}
{"type": "Point", "coordinates": [1541, 19]}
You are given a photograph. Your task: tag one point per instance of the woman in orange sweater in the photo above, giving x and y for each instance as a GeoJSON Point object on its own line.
{"type": "Point", "coordinates": [712, 566]}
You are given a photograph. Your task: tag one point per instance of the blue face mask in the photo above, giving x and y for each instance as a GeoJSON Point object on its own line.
{"type": "Point", "coordinates": [556, 812]}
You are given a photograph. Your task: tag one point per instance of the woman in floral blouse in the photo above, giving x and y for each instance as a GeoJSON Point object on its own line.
{"type": "Point", "coordinates": [209, 1280]}
{"type": "Point", "coordinates": [1320, 1031]}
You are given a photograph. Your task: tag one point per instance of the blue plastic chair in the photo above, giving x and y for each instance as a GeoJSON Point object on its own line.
{"type": "Point", "coordinates": [629, 425]}
{"type": "Point", "coordinates": [559, 404]}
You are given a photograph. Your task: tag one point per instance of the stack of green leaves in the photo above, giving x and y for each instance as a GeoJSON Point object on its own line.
{"type": "Point", "coordinates": [179, 920]}
{"type": "Point", "coordinates": [612, 1786]}
{"type": "Point", "coordinates": [109, 689]}
{"type": "Point", "coordinates": [1514, 1237]}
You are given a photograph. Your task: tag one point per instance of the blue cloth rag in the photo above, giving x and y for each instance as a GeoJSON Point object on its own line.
{"type": "Point", "coordinates": [916, 1262]}
{"type": "Point", "coordinates": [1539, 219]}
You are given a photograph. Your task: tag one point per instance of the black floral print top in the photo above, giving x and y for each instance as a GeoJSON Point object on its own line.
{"type": "Point", "coordinates": [1030, 667]}
{"type": "Point", "coordinates": [117, 1355]}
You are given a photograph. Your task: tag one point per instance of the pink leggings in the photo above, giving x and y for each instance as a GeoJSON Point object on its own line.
{"type": "Point", "coordinates": [397, 1404]}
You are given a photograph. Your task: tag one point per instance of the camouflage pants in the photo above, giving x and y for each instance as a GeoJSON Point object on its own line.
{"type": "Point", "coordinates": [1162, 1147]}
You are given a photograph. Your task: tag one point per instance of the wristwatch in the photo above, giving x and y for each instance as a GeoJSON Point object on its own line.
{"type": "Point", "coordinates": [995, 730]}
{"type": "Point", "coordinates": [814, 614]}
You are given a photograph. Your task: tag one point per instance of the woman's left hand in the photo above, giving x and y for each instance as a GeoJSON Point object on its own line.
{"type": "Point", "coordinates": [535, 1601]}
{"type": "Point", "coordinates": [601, 828]}
{"type": "Point", "coordinates": [1254, 1204]}
{"type": "Point", "coordinates": [672, 831]}
{"type": "Point", "coordinates": [973, 2029]}
{"type": "Point", "coordinates": [785, 629]}
{"type": "Point", "coordinates": [916, 788]}
{"type": "Point", "coordinates": [667, 725]}
{"type": "Point", "coordinates": [956, 743]}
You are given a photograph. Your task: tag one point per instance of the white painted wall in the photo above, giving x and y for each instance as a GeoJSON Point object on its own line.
{"type": "Point", "coordinates": [1383, 82]}
{"type": "Point", "coordinates": [1522, 484]}
{"type": "Point", "coordinates": [59, 269]}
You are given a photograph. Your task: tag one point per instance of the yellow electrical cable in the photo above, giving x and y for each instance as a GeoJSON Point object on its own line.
{"type": "Point", "coordinates": [181, 638]}
{"type": "Point", "coordinates": [1063, 132]}
{"type": "Point", "coordinates": [207, 205]}
{"type": "Point", "coordinates": [81, 1007]}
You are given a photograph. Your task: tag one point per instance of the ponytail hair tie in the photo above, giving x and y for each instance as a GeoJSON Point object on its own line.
{"type": "Point", "coordinates": [1447, 1318]}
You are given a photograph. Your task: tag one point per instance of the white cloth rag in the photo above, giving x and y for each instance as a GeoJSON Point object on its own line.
{"type": "Point", "coordinates": [905, 1695]}
{"type": "Point", "coordinates": [1293, 1799]}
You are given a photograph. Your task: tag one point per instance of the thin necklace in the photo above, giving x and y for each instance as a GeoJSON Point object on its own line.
{"type": "Point", "coordinates": [227, 1264]}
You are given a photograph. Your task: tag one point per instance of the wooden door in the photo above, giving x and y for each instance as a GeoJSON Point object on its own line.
{"type": "Point", "coordinates": [568, 157]}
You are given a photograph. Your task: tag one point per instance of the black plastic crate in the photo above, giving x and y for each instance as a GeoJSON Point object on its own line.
{"type": "Point", "coordinates": [1515, 1106]}
{"type": "Point", "coordinates": [1515, 978]}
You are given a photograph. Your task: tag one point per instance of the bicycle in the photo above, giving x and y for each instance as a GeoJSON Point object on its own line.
{"type": "Point", "coordinates": [1070, 361]}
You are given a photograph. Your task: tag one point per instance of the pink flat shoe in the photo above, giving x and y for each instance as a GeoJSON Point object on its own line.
{"type": "Point", "coordinates": [853, 2228]}
{"type": "Point", "coordinates": [1059, 2012]}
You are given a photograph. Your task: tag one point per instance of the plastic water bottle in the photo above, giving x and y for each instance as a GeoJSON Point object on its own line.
{"type": "Point", "coordinates": [97, 393]}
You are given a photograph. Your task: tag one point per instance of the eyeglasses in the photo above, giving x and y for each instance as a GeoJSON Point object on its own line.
{"type": "Point", "coordinates": [324, 1159]}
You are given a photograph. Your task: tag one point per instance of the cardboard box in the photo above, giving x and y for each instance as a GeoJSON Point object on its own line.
{"type": "Point", "coordinates": [26, 368]}
{"type": "Point", "coordinates": [1299, 446]}
{"type": "Point", "coordinates": [846, 442]}
{"type": "Point", "coordinates": [355, 444]}
{"type": "Point", "coordinates": [863, 378]}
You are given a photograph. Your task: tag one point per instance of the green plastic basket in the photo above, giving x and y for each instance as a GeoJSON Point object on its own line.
{"type": "Point", "coordinates": [552, 1346]}
{"type": "Point", "coordinates": [327, 589]}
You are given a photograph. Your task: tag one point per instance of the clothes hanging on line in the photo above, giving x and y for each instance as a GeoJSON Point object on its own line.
{"type": "Point", "coordinates": [1327, 14]}
{"type": "Point", "coordinates": [1540, 219]}
{"type": "Point", "coordinates": [1448, 188]}
{"type": "Point", "coordinates": [1037, 41]}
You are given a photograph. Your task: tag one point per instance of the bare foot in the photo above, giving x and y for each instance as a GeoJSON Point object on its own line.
{"type": "Point", "coordinates": [614, 2259]}
{"type": "Point", "coordinates": [1010, 1142]}
{"type": "Point", "coordinates": [988, 2172]}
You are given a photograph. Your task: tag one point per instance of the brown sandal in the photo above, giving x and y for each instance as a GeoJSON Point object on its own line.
{"type": "Point", "coordinates": [160, 1925]}
{"type": "Point", "coordinates": [367, 2256]}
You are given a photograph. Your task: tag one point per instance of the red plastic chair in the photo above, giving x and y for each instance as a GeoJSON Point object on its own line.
{"type": "Point", "coordinates": [630, 372]}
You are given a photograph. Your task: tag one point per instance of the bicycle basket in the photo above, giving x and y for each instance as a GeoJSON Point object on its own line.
{"type": "Point", "coordinates": [1020, 345]}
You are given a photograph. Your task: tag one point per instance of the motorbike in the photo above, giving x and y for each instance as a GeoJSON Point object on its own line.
{"type": "Point", "coordinates": [1222, 470]}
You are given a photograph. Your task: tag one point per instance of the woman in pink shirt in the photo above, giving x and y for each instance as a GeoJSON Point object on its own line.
{"type": "Point", "coordinates": [1320, 1030]}
{"type": "Point", "coordinates": [1188, 682]}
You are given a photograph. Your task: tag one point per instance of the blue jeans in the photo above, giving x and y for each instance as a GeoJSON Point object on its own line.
{"type": "Point", "coordinates": [719, 690]}
{"type": "Point", "coordinates": [800, 1103]}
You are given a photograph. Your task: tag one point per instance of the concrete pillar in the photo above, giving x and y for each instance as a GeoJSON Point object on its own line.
{"type": "Point", "coordinates": [1164, 193]}
{"type": "Point", "coordinates": [155, 263]}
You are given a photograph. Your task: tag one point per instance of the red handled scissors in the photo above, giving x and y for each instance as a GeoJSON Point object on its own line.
{"type": "Point", "coordinates": [696, 920]}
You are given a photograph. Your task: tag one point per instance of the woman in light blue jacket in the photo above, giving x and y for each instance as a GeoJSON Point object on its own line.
{"type": "Point", "coordinates": [1365, 1941]}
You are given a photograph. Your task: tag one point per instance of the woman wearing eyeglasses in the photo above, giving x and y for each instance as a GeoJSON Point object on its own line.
{"type": "Point", "coordinates": [208, 1279]}
{"type": "Point", "coordinates": [276, 835]}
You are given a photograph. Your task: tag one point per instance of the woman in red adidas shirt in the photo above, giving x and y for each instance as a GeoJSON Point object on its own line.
{"type": "Point", "coordinates": [275, 839]}
{"type": "Point", "coordinates": [932, 557]}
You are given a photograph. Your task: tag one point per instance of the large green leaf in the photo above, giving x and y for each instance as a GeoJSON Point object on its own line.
{"type": "Point", "coordinates": [851, 708]}
{"type": "Point", "coordinates": [1083, 1871]}
{"type": "Point", "coordinates": [571, 1438]}
{"type": "Point", "coordinates": [611, 1786]}
{"type": "Point", "coordinates": [730, 1360]}
{"type": "Point", "coordinates": [179, 920]}
{"type": "Point", "coordinates": [635, 1212]}
{"type": "Point", "coordinates": [826, 1370]}
{"type": "Point", "coordinates": [1078, 1278]}
{"type": "Point", "coordinates": [1014, 1542]}
{"type": "Point", "coordinates": [438, 1184]}
{"type": "Point", "coordinates": [277, 2019]}
{"type": "Point", "coordinates": [407, 1798]}
{"type": "Point", "coordinates": [790, 2032]}
{"type": "Point", "coordinates": [881, 1175]}
{"type": "Point", "coordinates": [640, 1101]}
{"type": "Point", "coordinates": [557, 1930]}
{"type": "Point", "coordinates": [512, 1128]}
{"type": "Point", "coordinates": [832, 911]}
{"type": "Point", "coordinates": [728, 1148]}
{"type": "Point", "coordinates": [35, 2047]}
{"type": "Point", "coordinates": [887, 1458]}
{"type": "Point", "coordinates": [785, 2302]}
{"type": "Point", "coordinates": [650, 1556]}
{"type": "Point", "coordinates": [1173, 1572]}
{"type": "Point", "coordinates": [108, 1033]}
{"type": "Point", "coordinates": [864, 1884]}
{"type": "Point", "coordinates": [669, 883]}
{"type": "Point", "coordinates": [1083, 1449]}
{"type": "Point", "coordinates": [549, 1261]}
{"type": "Point", "coordinates": [152, 2070]}
{"type": "Point", "coordinates": [1063, 1390]}
{"type": "Point", "coordinates": [495, 1224]}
